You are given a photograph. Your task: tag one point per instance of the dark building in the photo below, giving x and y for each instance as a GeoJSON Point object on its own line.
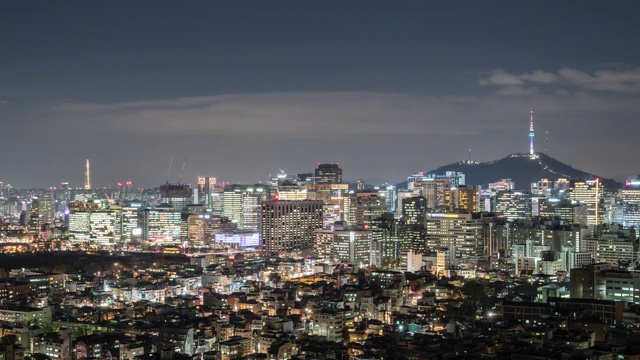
{"type": "Point", "coordinates": [289, 225]}
{"type": "Point", "coordinates": [328, 174]}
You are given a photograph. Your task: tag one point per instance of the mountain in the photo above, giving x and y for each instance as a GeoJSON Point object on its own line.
{"type": "Point", "coordinates": [521, 169]}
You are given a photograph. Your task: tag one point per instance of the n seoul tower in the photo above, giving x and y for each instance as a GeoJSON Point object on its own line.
{"type": "Point", "coordinates": [531, 135]}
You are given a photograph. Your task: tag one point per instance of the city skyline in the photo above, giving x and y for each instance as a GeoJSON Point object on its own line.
{"type": "Point", "coordinates": [384, 88]}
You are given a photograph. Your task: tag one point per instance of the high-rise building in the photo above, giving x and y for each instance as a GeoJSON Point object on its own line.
{"type": "Point", "coordinates": [461, 233]}
{"type": "Point", "coordinates": [353, 246]}
{"type": "Point", "coordinates": [514, 204]}
{"type": "Point", "coordinates": [590, 193]}
{"type": "Point", "coordinates": [465, 198]}
{"type": "Point", "coordinates": [451, 179]}
{"type": "Point", "coordinates": [206, 187]}
{"type": "Point", "coordinates": [330, 215]}
{"type": "Point", "coordinates": [41, 214]}
{"type": "Point", "coordinates": [93, 226]}
{"type": "Point", "coordinates": [289, 225]}
{"type": "Point", "coordinates": [542, 187]}
{"type": "Point", "coordinates": [365, 208]}
{"type": "Point", "coordinates": [131, 226]}
{"type": "Point", "coordinates": [630, 199]}
{"type": "Point", "coordinates": [328, 174]}
{"type": "Point", "coordinates": [242, 205]}
{"type": "Point", "coordinates": [323, 243]}
{"type": "Point", "coordinates": [176, 195]}
{"type": "Point", "coordinates": [502, 185]}
{"type": "Point", "coordinates": [161, 225]}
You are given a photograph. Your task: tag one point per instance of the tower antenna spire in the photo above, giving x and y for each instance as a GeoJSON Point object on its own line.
{"type": "Point", "coordinates": [546, 142]}
{"type": "Point", "coordinates": [87, 177]}
{"type": "Point", "coordinates": [531, 135]}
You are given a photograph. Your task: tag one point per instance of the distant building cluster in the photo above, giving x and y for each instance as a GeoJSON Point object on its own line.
{"type": "Point", "coordinates": [308, 266]}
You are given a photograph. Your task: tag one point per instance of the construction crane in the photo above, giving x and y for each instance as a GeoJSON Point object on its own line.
{"type": "Point", "coordinates": [182, 171]}
{"type": "Point", "coordinates": [166, 179]}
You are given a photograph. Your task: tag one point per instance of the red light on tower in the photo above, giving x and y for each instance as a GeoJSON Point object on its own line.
{"type": "Point", "coordinates": [119, 184]}
{"type": "Point", "coordinates": [276, 197]}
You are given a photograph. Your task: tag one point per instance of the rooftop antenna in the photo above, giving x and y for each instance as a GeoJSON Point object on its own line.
{"type": "Point", "coordinates": [169, 173]}
{"type": "Point", "coordinates": [546, 142]}
{"type": "Point", "coordinates": [469, 155]}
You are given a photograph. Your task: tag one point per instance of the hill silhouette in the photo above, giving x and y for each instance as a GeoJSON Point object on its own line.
{"type": "Point", "coordinates": [521, 169]}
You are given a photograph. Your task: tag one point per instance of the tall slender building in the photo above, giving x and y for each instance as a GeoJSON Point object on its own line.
{"type": "Point", "coordinates": [531, 135]}
{"type": "Point", "coordinates": [87, 177]}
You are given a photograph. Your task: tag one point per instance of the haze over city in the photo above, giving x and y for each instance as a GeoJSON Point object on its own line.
{"type": "Point", "coordinates": [384, 88]}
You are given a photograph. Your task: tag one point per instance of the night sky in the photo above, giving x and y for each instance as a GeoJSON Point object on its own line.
{"type": "Point", "coordinates": [244, 88]}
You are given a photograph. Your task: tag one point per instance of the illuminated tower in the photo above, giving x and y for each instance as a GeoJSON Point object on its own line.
{"type": "Point", "coordinates": [87, 177]}
{"type": "Point", "coordinates": [531, 135]}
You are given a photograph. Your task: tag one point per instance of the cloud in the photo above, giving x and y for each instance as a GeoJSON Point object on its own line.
{"type": "Point", "coordinates": [517, 90]}
{"type": "Point", "coordinates": [501, 77]}
{"type": "Point", "coordinates": [603, 80]}
{"type": "Point", "coordinates": [575, 76]}
{"type": "Point", "coordinates": [540, 76]}
{"type": "Point", "coordinates": [312, 114]}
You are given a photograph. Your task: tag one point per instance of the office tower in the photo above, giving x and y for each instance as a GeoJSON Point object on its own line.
{"type": "Point", "coordinates": [104, 227]}
{"type": "Point", "coordinates": [291, 191]}
{"type": "Point", "coordinates": [461, 233]}
{"type": "Point", "coordinates": [242, 204]}
{"type": "Point", "coordinates": [176, 195]}
{"type": "Point", "coordinates": [542, 187]}
{"type": "Point", "coordinates": [203, 228]}
{"type": "Point", "coordinates": [411, 231]}
{"type": "Point", "coordinates": [502, 185]}
{"type": "Point", "coordinates": [364, 209]}
{"type": "Point", "coordinates": [130, 221]}
{"type": "Point", "coordinates": [323, 244]}
{"type": "Point", "coordinates": [414, 210]}
{"type": "Point", "coordinates": [330, 194]}
{"type": "Point", "coordinates": [41, 214]}
{"type": "Point", "coordinates": [328, 174]}
{"type": "Point", "coordinates": [206, 187]}
{"type": "Point", "coordinates": [514, 204]}
{"type": "Point", "coordinates": [630, 199]}
{"type": "Point", "coordinates": [79, 227]}
{"type": "Point", "coordinates": [436, 189]}
{"type": "Point", "coordinates": [161, 225]}
{"type": "Point", "coordinates": [93, 226]}
{"type": "Point", "coordinates": [451, 179]}
{"type": "Point", "coordinates": [465, 198]}
{"type": "Point", "coordinates": [410, 237]}
{"type": "Point", "coordinates": [572, 213]}
{"type": "Point", "coordinates": [217, 201]}
{"type": "Point", "coordinates": [390, 193]}
{"type": "Point", "coordinates": [330, 215]}
{"type": "Point", "coordinates": [353, 245]}
{"type": "Point", "coordinates": [545, 207]}
{"type": "Point", "coordinates": [289, 225]}
{"type": "Point", "coordinates": [589, 193]}
{"type": "Point", "coordinates": [87, 177]}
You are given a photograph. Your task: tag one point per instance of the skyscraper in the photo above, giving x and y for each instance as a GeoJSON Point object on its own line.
{"type": "Point", "coordinates": [630, 197]}
{"type": "Point", "coordinates": [590, 193]}
{"type": "Point", "coordinates": [176, 195]}
{"type": "Point", "coordinates": [514, 204]}
{"type": "Point", "coordinates": [289, 225]}
{"type": "Point", "coordinates": [328, 174]}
